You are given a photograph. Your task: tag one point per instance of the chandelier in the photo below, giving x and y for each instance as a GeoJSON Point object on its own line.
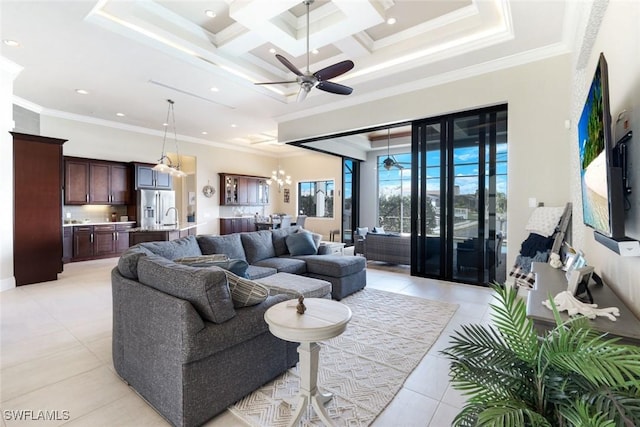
{"type": "Point", "coordinates": [279, 177]}
{"type": "Point", "coordinates": [165, 165]}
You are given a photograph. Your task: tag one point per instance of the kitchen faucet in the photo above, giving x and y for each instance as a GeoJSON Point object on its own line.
{"type": "Point", "coordinates": [167, 213]}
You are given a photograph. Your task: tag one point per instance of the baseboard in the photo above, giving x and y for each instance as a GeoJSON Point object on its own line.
{"type": "Point", "coordinates": [8, 283]}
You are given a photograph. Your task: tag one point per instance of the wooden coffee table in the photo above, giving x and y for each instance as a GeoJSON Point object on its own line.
{"type": "Point", "coordinates": [324, 319]}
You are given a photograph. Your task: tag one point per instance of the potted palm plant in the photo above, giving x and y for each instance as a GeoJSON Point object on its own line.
{"type": "Point", "coordinates": [570, 376]}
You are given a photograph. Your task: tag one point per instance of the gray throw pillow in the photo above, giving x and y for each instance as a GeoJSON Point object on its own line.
{"type": "Point", "coordinates": [228, 244]}
{"type": "Point", "coordinates": [128, 262]}
{"type": "Point", "coordinates": [245, 292]}
{"type": "Point", "coordinates": [301, 244]}
{"type": "Point", "coordinates": [258, 245]}
{"type": "Point", "coordinates": [179, 248]}
{"type": "Point", "coordinates": [317, 238]}
{"type": "Point", "coordinates": [205, 288]}
{"type": "Point", "coordinates": [237, 266]}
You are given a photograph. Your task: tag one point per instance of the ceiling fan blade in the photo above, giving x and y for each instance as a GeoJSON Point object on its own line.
{"type": "Point", "coordinates": [289, 65]}
{"type": "Point", "coordinates": [334, 88]}
{"type": "Point", "coordinates": [276, 83]}
{"type": "Point", "coordinates": [302, 94]}
{"type": "Point", "coordinates": [334, 70]}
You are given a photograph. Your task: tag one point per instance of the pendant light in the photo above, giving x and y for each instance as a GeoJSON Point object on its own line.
{"type": "Point", "coordinates": [165, 165]}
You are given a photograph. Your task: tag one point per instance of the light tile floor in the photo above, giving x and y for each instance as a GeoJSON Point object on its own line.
{"type": "Point", "coordinates": [55, 355]}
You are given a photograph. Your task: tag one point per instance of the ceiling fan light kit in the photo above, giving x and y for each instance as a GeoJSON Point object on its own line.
{"type": "Point", "coordinates": [319, 79]}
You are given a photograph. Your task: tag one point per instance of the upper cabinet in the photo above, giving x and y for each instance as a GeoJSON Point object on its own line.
{"type": "Point", "coordinates": [96, 182]}
{"type": "Point", "coordinates": [146, 177]}
{"type": "Point", "coordinates": [243, 190]}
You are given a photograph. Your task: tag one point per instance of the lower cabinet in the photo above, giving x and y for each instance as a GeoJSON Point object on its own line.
{"type": "Point", "coordinates": [99, 241]}
{"type": "Point", "coordinates": [236, 225]}
{"type": "Point", "coordinates": [67, 244]}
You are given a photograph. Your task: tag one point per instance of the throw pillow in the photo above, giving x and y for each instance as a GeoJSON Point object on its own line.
{"type": "Point", "coordinates": [179, 248]}
{"type": "Point", "coordinates": [228, 244]}
{"type": "Point", "coordinates": [379, 230]}
{"type": "Point", "coordinates": [237, 266]}
{"type": "Point", "coordinates": [315, 236]}
{"type": "Point", "coordinates": [205, 288]}
{"type": "Point", "coordinates": [245, 292]}
{"type": "Point", "coordinates": [301, 244]}
{"type": "Point", "coordinates": [258, 245]}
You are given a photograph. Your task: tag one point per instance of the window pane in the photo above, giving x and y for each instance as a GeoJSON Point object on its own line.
{"type": "Point", "coordinates": [315, 198]}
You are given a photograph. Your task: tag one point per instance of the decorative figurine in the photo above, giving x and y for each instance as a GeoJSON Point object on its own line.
{"type": "Point", "coordinates": [301, 308]}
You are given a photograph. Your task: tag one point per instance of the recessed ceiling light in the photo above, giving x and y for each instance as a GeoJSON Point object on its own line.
{"type": "Point", "coordinates": [234, 125]}
{"type": "Point", "coordinates": [315, 51]}
{"type": "Point", "coordinates": [214, 89]}
{"type": "Point", "coordinates": [210, 13]}
{"type": "Point", "coordinates": [82, 92]}
{"type": "Point", "coordinates": [272, 50]}
{"type": "Point", "coordinates": [391, 21]}
{"type": "Point", "coordinates": [120, 114]}
{"type": "Point", "coordinates": [11, 43]}
{"type": "Point", "coordinates": [205, 132]}
{"type": "Point", "coordinates": [165, 124]}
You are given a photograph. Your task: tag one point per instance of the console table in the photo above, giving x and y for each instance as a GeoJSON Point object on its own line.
{"type": "Point", "coordinates": [550, 281]}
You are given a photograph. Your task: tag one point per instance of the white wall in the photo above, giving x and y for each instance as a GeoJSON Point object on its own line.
{"type": "Point", "coordinates": [311, 166]}
{"type": "Point", "coordinates": [619, 40]}
{"type": "Point", "coordinates": [538, 103]}
{"type": "Point", "coordinates": [8, 72]}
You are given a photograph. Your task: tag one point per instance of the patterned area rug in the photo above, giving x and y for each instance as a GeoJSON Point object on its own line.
{"type": "Point", "coordinates": [364, 368]}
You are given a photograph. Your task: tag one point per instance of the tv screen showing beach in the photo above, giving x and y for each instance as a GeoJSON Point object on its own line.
{"type": "Point", "coordinates": [593, 161]}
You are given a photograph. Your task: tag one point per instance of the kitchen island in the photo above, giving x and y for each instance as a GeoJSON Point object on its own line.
{"type": "Point", "coordinates": [157, 234]}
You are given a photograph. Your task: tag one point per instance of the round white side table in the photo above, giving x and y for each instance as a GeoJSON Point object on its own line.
{"type": "Point", "coordinates": [323, 319]}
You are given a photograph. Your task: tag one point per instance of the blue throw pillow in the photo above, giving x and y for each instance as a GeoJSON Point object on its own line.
{"type": "Point", "coordinates": [301, 244]}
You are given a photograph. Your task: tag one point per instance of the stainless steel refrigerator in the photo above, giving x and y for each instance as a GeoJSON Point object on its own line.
{"type": "Point", "coordinates": [154, 207]}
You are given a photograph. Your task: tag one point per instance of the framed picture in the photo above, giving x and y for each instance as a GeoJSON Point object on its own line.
{"type": "Point", "coordinates": [578, 282]}
{"type": "Point", "coordinates": [286, 195]}
{"type": "Point", "coordinates": [574, 261]}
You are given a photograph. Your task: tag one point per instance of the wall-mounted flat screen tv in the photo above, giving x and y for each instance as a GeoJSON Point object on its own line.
{"type": "Point", "coordinates": [602, 191]}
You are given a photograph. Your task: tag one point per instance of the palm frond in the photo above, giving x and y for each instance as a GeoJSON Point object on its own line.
{"type": "Point", "coordinates": [510, 317]}
{"type": "Point", "coordinates": [510, 414]}
{"type": "Point", "coordinates": [581, 415]}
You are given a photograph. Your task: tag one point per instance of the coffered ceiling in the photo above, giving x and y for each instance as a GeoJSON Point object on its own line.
{"type": "Point", "coordinates": [130, 56]}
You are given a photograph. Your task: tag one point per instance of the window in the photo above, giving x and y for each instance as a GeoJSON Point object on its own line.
{"type": "Point", "coordinates": [315, 198]}
{"type": "Point", "coordinates": [394, 194]}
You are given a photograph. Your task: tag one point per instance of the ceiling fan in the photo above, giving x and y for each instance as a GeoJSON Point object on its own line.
{"type": "Point", "coordinates": [390, 162]}
{"type": "Point", "coordinates": [319, 79]}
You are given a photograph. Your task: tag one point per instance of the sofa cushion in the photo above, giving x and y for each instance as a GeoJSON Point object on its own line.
{"type": "Point", "coordinates": [128, 262]}
{"type": "Point", "coordinates": [245, 292]}
{"type": "Point", "coordinates": [257, 245]}
{"type": "Point", "coordinates": [179, 248]}
{"type": "Point", "coordinates": [285, 264]}
{"type": "Point", "coordinates": [236, 266]}
{"type": "Point", "coordinates": [301, 244]}
{"type": "Point", "coordinates": [334, 265]}
{"type": "Point", "coordinates": [279, 237]}
{"type": "Point", "coordinates": [229, 244]}
{"type": "Point", "coordinates": [293, 286]}
{"type": "Point", "coordinates": [256, 272]}
{"type": "Point", "coordinates": [205, 288]}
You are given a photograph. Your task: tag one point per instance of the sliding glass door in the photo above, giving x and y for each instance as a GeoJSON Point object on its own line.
{"type": "Point", "coordinates": [459, 196]}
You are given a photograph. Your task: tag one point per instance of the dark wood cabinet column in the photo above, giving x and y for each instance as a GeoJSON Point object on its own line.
{"type": "Point", "coordinates": [37, 224]}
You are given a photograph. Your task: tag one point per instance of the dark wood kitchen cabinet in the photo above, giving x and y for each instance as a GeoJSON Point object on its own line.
{"type": "Point", "coordinates": [37, 208]}
{"type": "Point", "coordinates": [96, 182]}
{"type": "Point", "coordinates": [236, 225]}
{"type": "Point", "coordinates": [67, 244]}
{"type": "Point", "coordinates": [99, 241]}
{"type": "Point", "coordinates": [243, 190]}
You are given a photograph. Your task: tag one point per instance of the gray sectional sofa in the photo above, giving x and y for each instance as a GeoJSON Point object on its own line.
{"type": "Point", "coordinates": [179, 339]}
